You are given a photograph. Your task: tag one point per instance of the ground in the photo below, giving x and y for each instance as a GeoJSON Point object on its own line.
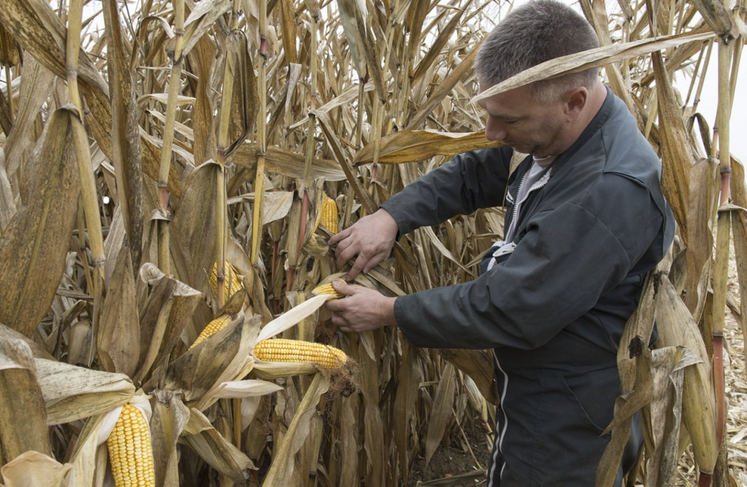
{"type": "Point", "coordinates": [466, 454]}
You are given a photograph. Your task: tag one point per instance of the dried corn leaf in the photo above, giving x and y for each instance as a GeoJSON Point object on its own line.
{"type": "Point", "coordinates": [373, 424]}
{"type": "Point", "coordinates": [34, 469]}
{"type": "Point", "coordinates": [7, 199]}
{"type": "Point", "coordinates": [225, 357]}
{"type": "Point", "coordinates": [201, 60]}
{"type": "Point", "coordinates": [419, 145]}
{"type": "Point", "coordinates": [84, 453]}
{"type": "Point", "coordinates": [165, 315]}
{"type": "Point", "coordinates": [277, 370]}
{"type": "Point", "coordinates": [170, 416]}
{"type": "Point", "coordinates": [22, 413]}
{"type": "Point", "coordinates": [701, 205]}
{"type": "Point", "coordinates": [72, 393]}
{"type": "Point", "coordinates": [479, 365]}
{"type": "Point", "coordinates": [444, 35]}
{"type": "Point", "coordinates": [194, 227]}
{"type": "Point", "coordinates": [363, 195]}
{"type": "Point", "coordinates": [37, 351]}
{"type": "Point", "coordinates": [677, 328]}
{"type": "Point", "coordinates": [118, 337]}
{"type": "Point", "coordinates": [634, 364]}
{"type": "Point", "coordinates": [240, 389]}
{"type": "Point", "coordinates": [38, 29]}
{"type": "Point", "coordinates": [202, 18]}
{"type": "Point", "coordinates": [443, 89]}
{"type": "Point", "coordinates": [207, 442]}
{"type": "Point", "coordinates": [283, 463]}
{"type": "Point", "coordinates": [126, 150]}
{"type": "Point", "coordinates": [665, 416]}
{"type": "Point", "coordinates": [285, 162]}
{"type": "Point", "coordinates": [9, 49]}
{"type": "Point", "coordinates": [275, 206]}
{"type": "Point", "coordinates": [593, 58]}
{"type": "Point", "coordinates": [349, 439]}
{"type": "Point", "coordinates": [35, 87]}
{"type": "Point", "coordinates": [34, 245]}
{"type": "Point", "coordinates": [293, 316]}
{"type": "Point", "coordinates": [408, 382]}
{"type": "Point", "coordinates": [676, 153]}
{"type": "Point", "coordinates": [441, 414]}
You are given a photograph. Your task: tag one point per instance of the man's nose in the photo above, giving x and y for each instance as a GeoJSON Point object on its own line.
{"type": "Point", "coordinates": [494, 130]}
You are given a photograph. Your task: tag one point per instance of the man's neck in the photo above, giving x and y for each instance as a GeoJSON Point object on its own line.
{"type": "Point", "coordinates": [597, 96]}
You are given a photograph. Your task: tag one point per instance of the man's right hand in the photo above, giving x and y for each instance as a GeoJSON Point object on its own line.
{"type": "Point", "coordinates": [371, 238]}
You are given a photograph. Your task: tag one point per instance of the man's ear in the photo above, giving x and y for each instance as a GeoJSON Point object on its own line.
{"type": "Point", "coordinates": [575, 102]}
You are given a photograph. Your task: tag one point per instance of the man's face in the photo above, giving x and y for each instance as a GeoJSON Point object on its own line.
{"type": "Point", "coordinates": [524, 123]}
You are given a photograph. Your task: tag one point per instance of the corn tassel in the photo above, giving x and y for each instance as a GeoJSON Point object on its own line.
{"type": "Point", "coordinates": [211, 329]}
{"type": "Point", "coordinates": [232, 283]}
{"type": "Point", "coordinates": [130, 451]}
{"type": "Point", "coordinates": [300, 352]}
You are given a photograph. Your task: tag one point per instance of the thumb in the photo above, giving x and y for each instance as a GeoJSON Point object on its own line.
{"type": "Point", "coordinates": [344, 288]}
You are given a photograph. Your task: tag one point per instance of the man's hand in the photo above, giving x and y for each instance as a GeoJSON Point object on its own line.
{"type": "Point", "coordinates": [371, 238]}
{"type": "Point", "coordinates": [362, 309]}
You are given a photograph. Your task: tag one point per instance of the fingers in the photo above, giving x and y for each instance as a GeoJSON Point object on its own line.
{"type": "Point", "coordinates": [338, 237]}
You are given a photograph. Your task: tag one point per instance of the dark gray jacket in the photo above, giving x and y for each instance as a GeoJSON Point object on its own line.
{"type": "Point", "coordinates": [583, 245]}
{"type": "Point", "coordinates": [554, 308]}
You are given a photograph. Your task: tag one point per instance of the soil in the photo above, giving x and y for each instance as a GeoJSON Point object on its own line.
{"type": "Point", "coordinates": [464, 456]}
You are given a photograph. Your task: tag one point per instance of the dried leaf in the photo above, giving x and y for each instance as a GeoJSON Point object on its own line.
{"type": "Point", "coordinates": [34, 469]}
{"type": "Point", "coordinates": [22, 411]}
{"type": "Point", "coordinates": [282, 466]}
{"type": "Point", "coordinates": [592, 58]}
{"type": "Point", "coordinates": [118, 337]}
{"type": "Point", "coordinates": [34, 245]}
{"type": "Point", "coordinates": [170, 416]}
{"type": "Point", "coordinates": [200, 435]}
{"type": "Point", "coordinates": [419, 145]}
{"type": "Point", "coordinates": [37, 81]}
{"type": "Point", "coordinates": [441, 412]}
{"type": "Point", "coordinates": [72, 393]}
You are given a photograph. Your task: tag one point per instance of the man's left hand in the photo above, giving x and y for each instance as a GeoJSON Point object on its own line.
{"type": "Point", "coordinates": [361, 309]}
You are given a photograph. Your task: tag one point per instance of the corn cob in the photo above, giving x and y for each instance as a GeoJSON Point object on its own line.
{"type": "Point", "coordinates": [300, 352]}
{"type": "Point", "coordinates": [328, 289]}
{"type": "Point", "coordinates": [231, 283]}
{"type": "Point", "coordinates": [130, 451]}
{"type": "Point", "coordinates": [328, 215]}
{"type": "Point", "coordinates": [212, 328]}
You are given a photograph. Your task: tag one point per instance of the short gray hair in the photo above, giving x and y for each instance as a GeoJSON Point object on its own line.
{"type": "Point", "coordinates": [531, 34]}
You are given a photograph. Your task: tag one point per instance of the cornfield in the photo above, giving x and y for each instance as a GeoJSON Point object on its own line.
{"type": "Point", "coordinates": [165, 164]}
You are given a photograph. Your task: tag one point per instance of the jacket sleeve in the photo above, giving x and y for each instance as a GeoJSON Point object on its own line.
{"type": "Point", "coordinates": [568, 258]}
{"type": "Point", "coordinates": [466, 183]}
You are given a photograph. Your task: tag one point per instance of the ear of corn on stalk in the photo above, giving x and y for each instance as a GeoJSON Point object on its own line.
{"type": "Point", "coordinates": [130, 451]}
{"type": "Point", "coordinates": [329, 216]}
{"type": "Point", "coordinates": [232, 284]}
{"type": "Point", "coordinates": [299, 351]}
{"type": "Point", "coordinates": [212, 328]}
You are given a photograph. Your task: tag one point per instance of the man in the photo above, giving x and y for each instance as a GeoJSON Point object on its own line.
{"type": "Point", "coordinates": [585, 221]}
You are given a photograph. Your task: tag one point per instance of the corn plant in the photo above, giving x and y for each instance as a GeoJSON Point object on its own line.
{"type": "Point", "coordinates": [170, 165]}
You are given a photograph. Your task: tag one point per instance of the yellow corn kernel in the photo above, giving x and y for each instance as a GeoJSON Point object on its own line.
{"type": "Point", "coordinates": [300, 352]}
{"type": "Point", "coordinates": [212, 328]}
{"type": "Point", "coordinates": [231, 282]}
{"type": "Point", "coordinates": [130, 451]}
{"type": "Point", "coordinates": [329, 217]}
{"type": "Point", "coordinates": [328, 289]}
